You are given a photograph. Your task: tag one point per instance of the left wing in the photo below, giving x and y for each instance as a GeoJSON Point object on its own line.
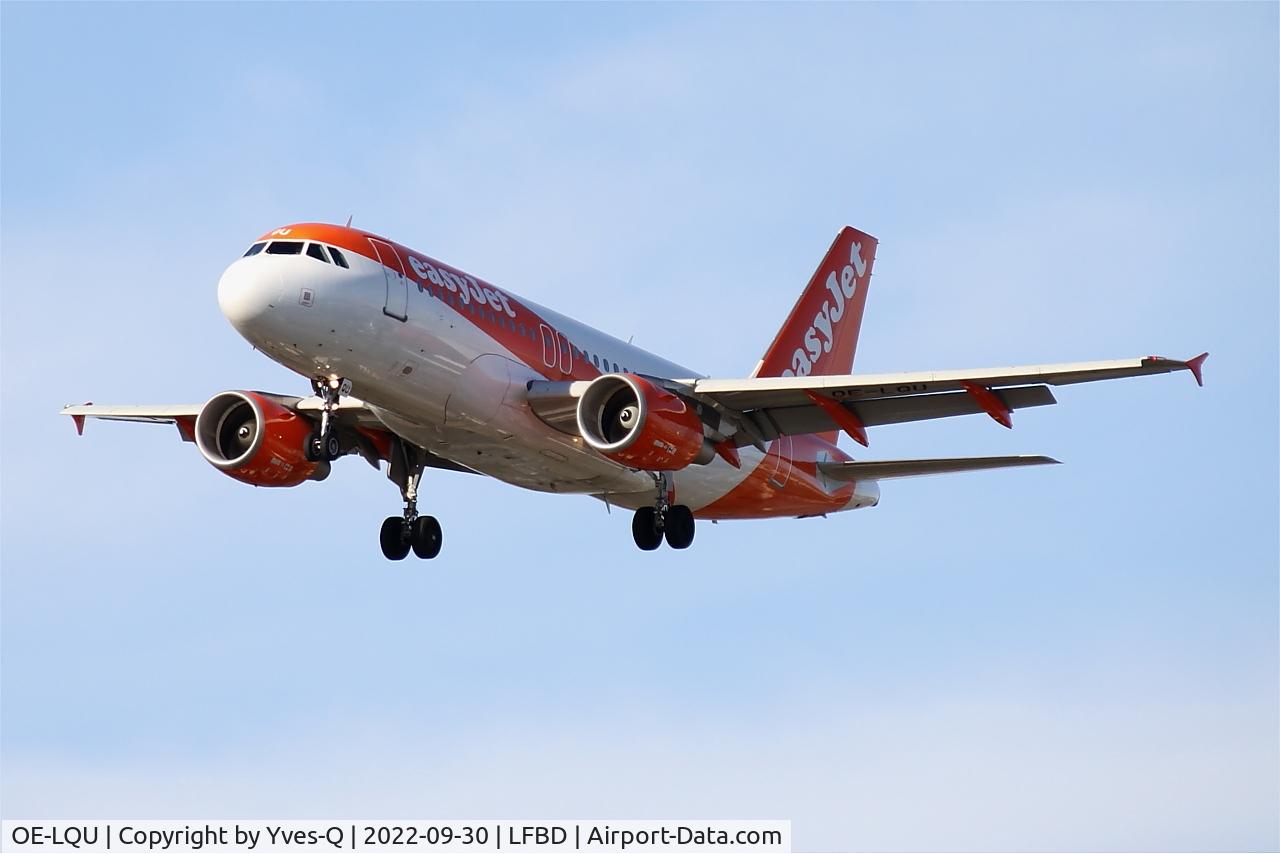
{"type": "Point", "coordinates": [767, 407]}
{"type": "Point", "coordinates": [757, 410]}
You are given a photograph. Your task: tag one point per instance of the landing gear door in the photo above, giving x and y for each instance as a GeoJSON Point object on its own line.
{"type": "Point", "coordinates": [397, 304]}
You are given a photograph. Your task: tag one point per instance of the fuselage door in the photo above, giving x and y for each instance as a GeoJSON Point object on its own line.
{"type": "Point", "coordinates": [550, 356]}
{"type": "Point", "coordinates": [397, 304]}
{"type": "Point", "coordinates": [782, 463]}
{"type": "Point", "coordinates": [566, 353]}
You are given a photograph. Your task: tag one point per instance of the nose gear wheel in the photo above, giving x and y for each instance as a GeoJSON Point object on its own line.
{"type": "Point", "coordinates": [324, 444]}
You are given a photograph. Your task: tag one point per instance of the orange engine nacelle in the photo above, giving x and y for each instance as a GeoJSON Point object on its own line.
{"type": "Point", "coordinates": [633, 422]}
{"type": "Point", "coordinates": [256, 440]}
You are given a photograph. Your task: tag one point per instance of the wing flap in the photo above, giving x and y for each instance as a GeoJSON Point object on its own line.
{"type": "Point", "coordinates": [887, 469]}
{"type": "Point", "coordinates": [797, 420]}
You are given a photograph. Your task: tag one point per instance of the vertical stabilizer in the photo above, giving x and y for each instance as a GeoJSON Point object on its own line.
{"type": "Point", "coordinates": [820, 335]}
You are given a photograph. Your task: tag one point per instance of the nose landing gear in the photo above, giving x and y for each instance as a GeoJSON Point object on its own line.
{"type": "Point", "coordinates": [324, 444]}
{"type": "Point", "coordinates": [400, 534]}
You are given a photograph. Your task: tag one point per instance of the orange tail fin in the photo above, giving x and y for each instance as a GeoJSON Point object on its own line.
{"type": "Point", "coordinates": [820, 336]}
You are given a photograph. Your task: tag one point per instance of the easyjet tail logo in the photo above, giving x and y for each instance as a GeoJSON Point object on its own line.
{"type": "Point", "coordinates": [820, 335]}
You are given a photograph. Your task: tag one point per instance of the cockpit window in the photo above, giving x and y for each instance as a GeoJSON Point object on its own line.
{"type": "Point", "coordinates": [255, 249]}
{"type": "Point", "coordinates": [285, 247]}
{"type": "Point", "coordinates": [315, 250]}
{"type": "Point", "coordinates": [338, 257]}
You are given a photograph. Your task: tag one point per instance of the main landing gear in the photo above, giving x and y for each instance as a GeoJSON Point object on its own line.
{"type": "Point", "coordinates": [400, 534]}
{"type": "Point", "coordinates": [324, 445]}
{"type": "Point", "coordinates": [673, 522]}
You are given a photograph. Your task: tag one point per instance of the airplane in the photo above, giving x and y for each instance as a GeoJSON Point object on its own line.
{"type": "Point", "coordinates": [418, 364]}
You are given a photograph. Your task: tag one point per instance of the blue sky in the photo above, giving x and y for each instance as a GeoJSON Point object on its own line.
{"type": "Point", "coordinates": [1074, 658]}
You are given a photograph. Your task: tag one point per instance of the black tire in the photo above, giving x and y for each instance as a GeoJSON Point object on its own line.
{"type": "Point", "coordinates": [395, 546]}
{"type": "Point", "coordinates": [314, 449]}
{"type": "Point", "coordinates": [679, 527]}
{"type": "Point", "coordinates": [332, 447]}
{"type": "Point", "coordinates": [427, 537]}
{"type": "Point", "coordinates": [644, 529]}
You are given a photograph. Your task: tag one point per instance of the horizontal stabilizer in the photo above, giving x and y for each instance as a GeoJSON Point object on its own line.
{"type": "Point", "coordinates": [883, 470]}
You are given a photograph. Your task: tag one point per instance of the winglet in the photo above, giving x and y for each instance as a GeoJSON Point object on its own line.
{"type": "Point", "coordinates": [79, 419]}
{"type": "Point", "coordinates": [1196, 366]}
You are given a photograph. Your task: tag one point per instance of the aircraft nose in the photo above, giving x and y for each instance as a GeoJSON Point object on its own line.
{"type": "Point", "coordinates": [247, 294]}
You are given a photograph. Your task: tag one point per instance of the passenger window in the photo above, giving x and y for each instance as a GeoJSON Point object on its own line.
{"type": "Point", "coordinates": [615, 367]}
{"type": "Point", "coordinates": [315, 250]}
{"type": "Point", "coordinates": [595, 360]}
{"type": "Point", "coordinates": [285, 247]}
{"type": "Point", "coordinates": [338, 257]}
{"type": "Point", "coordinates": [254, 249]}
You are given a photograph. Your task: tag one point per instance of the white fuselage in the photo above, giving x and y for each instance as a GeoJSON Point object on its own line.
{"type": "Point", "coordinates": [433, 371]}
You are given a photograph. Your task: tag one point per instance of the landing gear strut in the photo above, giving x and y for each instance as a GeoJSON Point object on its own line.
{"type": "Point", "coordinates": [324, 444]}
{"type": "Point", "coordinates": [400, 534]}
{"type": "Point", "coordinates": [673, 522]}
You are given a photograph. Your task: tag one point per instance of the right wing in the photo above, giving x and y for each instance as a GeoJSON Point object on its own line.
{"type": "Point", "coordinates": [182, 414]}
{"type": "Point", "coordinates": [352, 414]}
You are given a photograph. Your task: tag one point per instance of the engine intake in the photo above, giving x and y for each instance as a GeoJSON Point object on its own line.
{"type": "Point", "coordinates": [634, 422]}
{"type": "Point", "coordinates": [256, 440]}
